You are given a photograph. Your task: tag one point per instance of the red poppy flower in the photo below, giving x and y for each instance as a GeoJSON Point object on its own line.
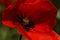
{"type": "Point", "coordinates": [5, 2]}
{"type": "Point", "coordinates": [34, 20]}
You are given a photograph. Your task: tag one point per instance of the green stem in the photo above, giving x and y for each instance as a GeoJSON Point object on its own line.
{"type": "Point", "coordinates": [20, 38]}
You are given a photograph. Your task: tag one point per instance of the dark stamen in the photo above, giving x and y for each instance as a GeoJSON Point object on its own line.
{"type": "Point", "coordinates": [25, 22]}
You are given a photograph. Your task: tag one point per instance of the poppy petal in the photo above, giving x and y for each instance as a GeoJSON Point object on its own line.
{"type": "Point", "coordinates": [6, 2]}
{"type": "Point", "coordinates": [43, 36]}
{"type": "Point", "coordinates": [8, 16]}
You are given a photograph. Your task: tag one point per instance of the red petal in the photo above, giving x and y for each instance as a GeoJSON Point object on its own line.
{"type": "Point", "coordinates": [49, 13]}
{"type": "Point", "coordinates": [8, 16]}
{"type": "Point", "coordinates": [35, 35]}
{"type": "Point", "coordinates": [42, 27]}
{"type": "Point", "coordinates": [6, 2]}
{"type": "Point", "coordinates": [43, 36]}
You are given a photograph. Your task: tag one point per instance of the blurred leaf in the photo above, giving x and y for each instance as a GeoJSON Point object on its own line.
{"type": "Point", "coordinates": [57, 28]}
{"type": "Point", "coordinates": [58, 14]}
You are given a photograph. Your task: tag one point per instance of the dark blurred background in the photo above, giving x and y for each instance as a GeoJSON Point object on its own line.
{"type": "Point", "coordinates": [7, 33]}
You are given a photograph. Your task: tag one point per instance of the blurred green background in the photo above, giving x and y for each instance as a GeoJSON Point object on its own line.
{"type": "Point", "coordinates": [7, 33]}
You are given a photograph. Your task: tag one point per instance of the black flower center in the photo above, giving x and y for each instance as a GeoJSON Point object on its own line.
{"type": "Point", "coordinates": [25, 22]}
